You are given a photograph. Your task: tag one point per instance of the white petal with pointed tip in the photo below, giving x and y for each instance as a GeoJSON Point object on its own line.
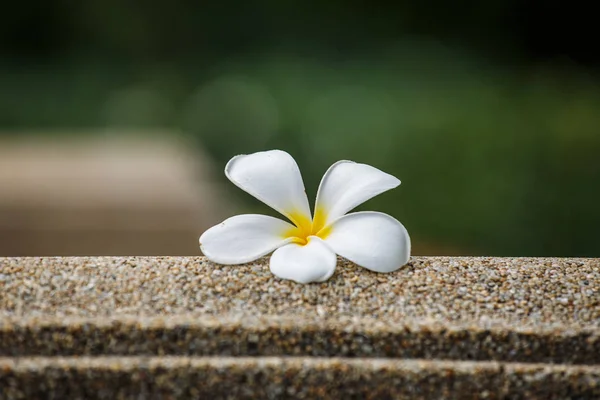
{"type": "Point", "coordinates": [370, 239]}
{"type": "Point", "coordinates": [347, 184]}
{"type": "Point", "coordinates": [243, 238]}
{"type": "Point", "coordinates": [313, 262]}
{"type": "Point", "coordinates": [273, 177]}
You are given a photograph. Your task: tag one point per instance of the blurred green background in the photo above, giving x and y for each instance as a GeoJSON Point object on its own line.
{"type": "Point", "coordinates": [489, 112]}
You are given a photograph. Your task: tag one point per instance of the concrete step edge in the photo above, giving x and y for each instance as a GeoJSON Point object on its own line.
{"type": "Point", "coordinates": [265, 335]}
{"type": "Point", "coordinates": [298, 377]}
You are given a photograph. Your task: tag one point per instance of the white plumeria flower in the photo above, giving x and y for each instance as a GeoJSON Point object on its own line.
{"type": "Point", "coordinates": [306, 251]}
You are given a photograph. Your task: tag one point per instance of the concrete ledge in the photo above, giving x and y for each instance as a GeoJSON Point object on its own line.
{"type": "Point", "coordinates": [505, 292]}
{"type": "Point", "coordinates": [279, 336]}
{"type": "Point", "coordinates": [168, 327]}
{"type": "Point", "coordinates": [332, 378]}
{"type": "Point", "coordinates": [503, 309]}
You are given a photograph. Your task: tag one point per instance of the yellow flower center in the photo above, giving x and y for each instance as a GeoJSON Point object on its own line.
{"type": "Point", "coordinates": [305, 227]}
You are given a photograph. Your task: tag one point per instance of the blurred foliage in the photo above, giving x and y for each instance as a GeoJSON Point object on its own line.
{"type": "Point", "coordinates": [496, 157]}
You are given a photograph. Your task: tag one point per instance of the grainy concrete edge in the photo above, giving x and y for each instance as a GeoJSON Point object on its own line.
{"type": "Point", "coordinates": [274, 377]}
{"type": "Point", "coordinates": [274, 336]}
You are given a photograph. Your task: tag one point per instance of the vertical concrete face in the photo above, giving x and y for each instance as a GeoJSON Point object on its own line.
{"type": "Point", "coordinates": [106, 195]}
{"type": "Point", "coordinates": [443, 327]}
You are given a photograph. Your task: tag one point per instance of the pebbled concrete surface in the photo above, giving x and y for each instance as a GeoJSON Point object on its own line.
{"type": "Point", "coordinates": [175, 327]}
{"type": "Point", "coordinates": [538, 293]}
{"type": "Point", "coordinates": [308, 378]}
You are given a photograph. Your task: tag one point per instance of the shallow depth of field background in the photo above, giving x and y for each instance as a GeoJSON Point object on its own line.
{"type": "Point", "coordinates": [489, 113]}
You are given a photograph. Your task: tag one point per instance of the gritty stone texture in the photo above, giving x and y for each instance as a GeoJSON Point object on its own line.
{"type": "Point", "coordinates": [307, 378]}
{"type": "Point", "coordinates": [525, 292]}
{"type": "Point", "coordinates": [278, 336]}
{"type": "Point", "coordinates": [66, 323]}
{"type": "Point", "coordinates": [527, 310]}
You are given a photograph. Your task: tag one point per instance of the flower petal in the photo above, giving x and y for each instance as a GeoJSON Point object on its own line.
{"type": "Point", "coordinates": [244, 238]}
{"type": "Point", "coordinates": [347, 184]}
{"type": "Point", "coordinates": [313, 262]}
{"type": "Point", "coordinates": [370, 239]}
{"type": "Point", "coordinates": [273, 177]}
